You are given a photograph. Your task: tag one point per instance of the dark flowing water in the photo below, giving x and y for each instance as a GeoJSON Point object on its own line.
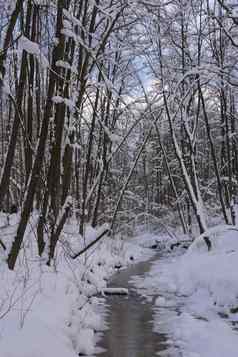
{"type": "Point", "coordinates": [129, 320]}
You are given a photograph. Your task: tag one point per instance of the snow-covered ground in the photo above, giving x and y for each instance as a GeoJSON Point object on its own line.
{"type": "Point", "coordinates": [195, 296]}
{"type": "Point", "coordinates": [59, 310]}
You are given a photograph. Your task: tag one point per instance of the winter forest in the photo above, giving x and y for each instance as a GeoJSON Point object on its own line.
{"type": "Point", "coordinates": [119, 178]}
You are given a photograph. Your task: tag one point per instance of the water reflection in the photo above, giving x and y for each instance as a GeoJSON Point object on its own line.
{"type": "Point", "coordinates": [130, 323]}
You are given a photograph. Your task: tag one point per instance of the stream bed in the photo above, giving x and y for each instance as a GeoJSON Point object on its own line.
{"type": "Point", "coordinates": [130, 320]}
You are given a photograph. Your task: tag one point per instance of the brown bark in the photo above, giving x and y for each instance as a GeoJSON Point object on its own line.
{"type": "Point", "coordinates": [37, 165]}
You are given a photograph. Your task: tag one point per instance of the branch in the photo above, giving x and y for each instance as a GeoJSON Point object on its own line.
{"type": "Point", "coordinates": [3, 245]}
{"type": "Point", "coordinates": [90, 244]}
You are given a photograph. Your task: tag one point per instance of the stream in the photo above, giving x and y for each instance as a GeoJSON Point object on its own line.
{"type": "Point", "coordinates": [130, 320]}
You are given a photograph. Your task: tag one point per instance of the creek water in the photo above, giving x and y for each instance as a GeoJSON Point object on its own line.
{"type": "Point", "coordinates": [130, 320]}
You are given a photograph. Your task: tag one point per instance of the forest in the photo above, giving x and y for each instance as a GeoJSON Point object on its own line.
{"type": "Point", "coordinates": [118, 119]}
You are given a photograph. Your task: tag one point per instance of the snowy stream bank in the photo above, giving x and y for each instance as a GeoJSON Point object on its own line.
{"type": "Point", "coordinates": [195, 297]}
{"type": "Point", "coordinates": [58, 310]}
{"type": "Point", "coordinates": [178, 305]}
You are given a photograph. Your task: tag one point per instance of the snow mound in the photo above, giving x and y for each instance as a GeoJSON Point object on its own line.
{"type": "Point", "coordinates": [197, 296]}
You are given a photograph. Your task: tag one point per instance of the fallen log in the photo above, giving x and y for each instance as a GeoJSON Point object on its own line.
{"type": "Point", "coordinates": [115, 291]}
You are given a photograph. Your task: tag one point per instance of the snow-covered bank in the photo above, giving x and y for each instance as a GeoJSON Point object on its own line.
{"type": "Point", "coordinates": [58, 311]}
{"type": "Point", "coordinates": [196, 297]}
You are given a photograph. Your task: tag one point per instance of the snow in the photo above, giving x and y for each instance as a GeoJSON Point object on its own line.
{"type": "Point", "coordinates": [59, 310]}
{"type": "Point", "coordinates": [57, 99]}
{"type": "Point", "coordinates": [34, 49]}
{"type": "Point", "coordinates": [63, 64]}
{"type": "Point", "coordinates": [196, 296]}
{"type": "Point", "coordinates": [69, 33]}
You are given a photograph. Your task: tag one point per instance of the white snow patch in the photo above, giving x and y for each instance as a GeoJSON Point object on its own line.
{"type": "Point", "coordinates": [197, 296]}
